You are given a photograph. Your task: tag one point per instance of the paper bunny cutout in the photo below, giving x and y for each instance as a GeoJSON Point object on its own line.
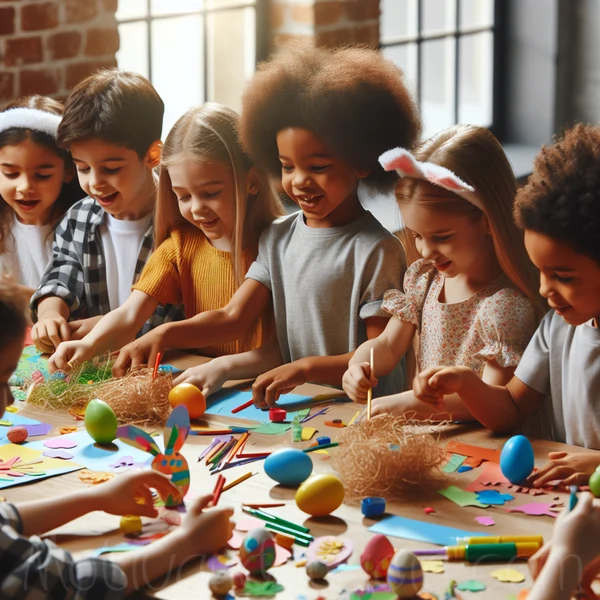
{"type": "Point", "coordinates": [171, 462]}
{"type": "Point", "coordinates": [406, 165]}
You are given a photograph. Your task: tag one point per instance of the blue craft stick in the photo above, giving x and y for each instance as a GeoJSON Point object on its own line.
{"type": "Point", "coordinates": [572, 497]}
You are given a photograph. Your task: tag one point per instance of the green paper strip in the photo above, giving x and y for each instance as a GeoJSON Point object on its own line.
{"type": "Point", "coordinates": [456, 460]}
{"type": "Point", "coordinates": [462, 497]}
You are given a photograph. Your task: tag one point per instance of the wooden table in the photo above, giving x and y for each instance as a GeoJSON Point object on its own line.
{"type": "Point", "coordinates": [347, 521]}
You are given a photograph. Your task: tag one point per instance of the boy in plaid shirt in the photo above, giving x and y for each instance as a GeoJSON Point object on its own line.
{"type": "Point", "coordinates": [111, 125]}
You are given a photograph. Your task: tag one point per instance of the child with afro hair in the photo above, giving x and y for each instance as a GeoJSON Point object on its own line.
{"type": "Point", "coordinates": [318, 120]}
{"type": "Point", "coordinates": [559, 210]}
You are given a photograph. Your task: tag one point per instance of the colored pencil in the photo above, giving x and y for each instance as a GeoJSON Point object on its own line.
{"type": "Point", "coordinates": [211, 431]}
{"type": "Point", "coordinates": [271, 505]}
{"type": "Point", "coordinates": [214, 451]}
{"type": "Point", "coordinates": [300, 538]}
{"type": "Point", "coordinates": [218, 489]}
{"type": "Point", "coordinates": [269, 518]}
{"type": "Point", "coordinates": [370, 392]}
{"type": "Point", "coordinates": [237, 446]}
{"type": "Point", "coordinates": [237, 409]}
{"type": "Point", "coordinates": [216, 460]}
{"type": "Point", "coordinates": [237, 463]}
{"type": "Point", "coordinates": [156, 365]}
{"type": "Point", "coordinates": [309, 417]}
{"type": "Point", "coordinates": [238, 480]}
{"type": "Point", "coordinates": [208, 449]}
{"type": "Point", "coordinates": [253, 455]}
{"type": "Point", "coordinates": [354, 417]}
{"type": "Point", "coordinates": [321, 447]}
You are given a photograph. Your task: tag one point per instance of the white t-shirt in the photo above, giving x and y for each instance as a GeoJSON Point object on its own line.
{"type": "Point", "coordinates": [563, 361]}
{"type": "Point", "coordinates": [121, 241]}
{"type": "Point", "coordinates": [28, 251]}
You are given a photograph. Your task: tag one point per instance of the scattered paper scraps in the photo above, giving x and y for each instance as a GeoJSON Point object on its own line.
{"type": "Point", "coordinates": [464, 469]}
{"type": "Point", "coordinates": [59, 453]}
{"type": "Point", "coordinates": [428, 510]}
{"type": "Point", "coordinates": [11, 409]}
{"type": "Point", "coordinates": [471, 586]}
{"type": "Point", "coordinates": [307, 433]}
{"type": "Point", "coordinates": [476, 452]}
{"type": "Point", "coordinates": [67, 430]}
{"type": "Point", "coordinates": [486, 521]}
{"type": "Point", "coordinates": [60, 443]}
{"type": "Point", "coordinates": [508, 575]}
{"type": "Point", "coordinates": [331, 550]}
{"type": "Point", "coordinates": [94, 477]}
{"type": "Point", "coordinates": [461, 497]}
{"type": "Point", "coordinates": [537, 509]}
{"type": "Point", "coordinates": [261, 588]}
{"type": "Point", "coordinates": [493, 497]}
{"type": "Point", "coordinates": [432, 566]}
{"type": "Point", "coordinates": [454, 462]}
{"type": "Point", "coordinates": [492, 476]}
{"type": "Point", "coordinates": [34, 428]}
{"type": "Point", "coordinates": [220, 562]}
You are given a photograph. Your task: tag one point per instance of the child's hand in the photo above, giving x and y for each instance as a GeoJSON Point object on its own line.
{"type": "Point", "coordinates": [574, 468]}
{"type": "Point", "coordinates": [142, 351]}
{"type": "Point", "coordinates": [205, 531]}
{"type": "Point", "coordinates": [80, 328]}
{"type": "Point", "coordinates": [130, 494]}
{"type": "Point", "coordinates": [48, 333]}
{"type": "Point", "coordinates": [357, 380]}
{"type": "Point", "coordinates": [270, 385]}
{"type": "Point", "coordinates": [69, 353]}
{"type": "Point", "coordinates": [430, 386]}
{"type": "Point", "coordinates": [207, 377]}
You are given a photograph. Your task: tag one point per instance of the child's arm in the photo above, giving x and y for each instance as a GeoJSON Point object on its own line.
{"type": "Point", "coordinates": [112, 331]}
{"type": "Point", "coordinates": [80, 328]}
{"type": "Point", "coordinates": [388, 349]}
{"type": "Point", "coordinates": [52, 326]}
{"type": "Point", "coordinates": [205, 329]}
{"type": "Point", "coordinates": [499, 408]}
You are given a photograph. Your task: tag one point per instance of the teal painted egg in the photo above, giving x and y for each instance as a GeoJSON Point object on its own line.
{"type": "Point", "coordinates": [257, 552]}
{"type": "Point", "coordinates": [405, 575]}
{"type": "Point", "coordinates": [516, 459]}
{"type": "Point", "coordinates": [100, 421]}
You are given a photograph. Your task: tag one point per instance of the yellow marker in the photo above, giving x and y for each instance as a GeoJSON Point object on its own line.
{"type": "Point", "coordinates": [500, 539]}
{"type": "Point", "coordinates": [238, 480]}
{"type": "Point", "coordinates": [354, 418]}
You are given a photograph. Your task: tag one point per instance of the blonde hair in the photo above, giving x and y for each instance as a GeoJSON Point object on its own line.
{"type": "Point", "coordinates": [205, 133]}
{"type": "Point", "coordinates": [477, 157]}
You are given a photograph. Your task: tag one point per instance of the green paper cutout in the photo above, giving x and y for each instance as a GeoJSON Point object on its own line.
{"type": "Point", "coordinates": [5, 423]}
{"type": "Point", "coordinates": [273, 428]}
{"type": "Point", "coordinates": [462, 497]}
{"type": "Point", "coordinates": [471, 586]}
{"type": "Point", "coordinates": [456, 460]}
{"type": "Point", "coordinates": [262, 588]}
{"type": "Point", "coordinates": [373, 596]}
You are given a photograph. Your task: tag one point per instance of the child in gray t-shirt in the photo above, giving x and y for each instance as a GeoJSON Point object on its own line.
{"type": "Point", "coordinates": [559, 210]}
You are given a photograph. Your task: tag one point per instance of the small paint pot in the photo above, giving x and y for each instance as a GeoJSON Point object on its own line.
{"type": "Point", "coordinates": [372, 506]}
{"type": "Point", "coordinates": [323, 440]}
{"type": "Point", "coordinates": [277, 415]}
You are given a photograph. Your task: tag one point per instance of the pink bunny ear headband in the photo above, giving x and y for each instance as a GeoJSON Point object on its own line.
{"type": "Point", "coordinates": [30, 118]}
{"type": "Point", "coordinates": [406, 165]}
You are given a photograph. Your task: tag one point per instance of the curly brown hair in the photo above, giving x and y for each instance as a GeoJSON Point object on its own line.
{"type": "Point", "coordinates": [562, 196]}
{"type": "Point", "coordinates": [354, 99]}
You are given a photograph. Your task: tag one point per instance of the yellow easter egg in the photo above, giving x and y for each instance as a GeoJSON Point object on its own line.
{"type": "Point", "coordinates": [320, 495]}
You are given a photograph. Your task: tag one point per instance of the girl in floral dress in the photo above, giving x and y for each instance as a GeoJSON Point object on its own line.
{"type": "Point", "coordinates": [470, 294]}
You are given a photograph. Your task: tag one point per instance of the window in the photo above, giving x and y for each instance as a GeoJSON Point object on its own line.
{"type": "Point", "coordinates": [191, 50]}
{"type": "Point", "coordinates": [446, 49]}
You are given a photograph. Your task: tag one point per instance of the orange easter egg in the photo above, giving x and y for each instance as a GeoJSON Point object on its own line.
{"type": "Point", "coordinates": [191, 397]}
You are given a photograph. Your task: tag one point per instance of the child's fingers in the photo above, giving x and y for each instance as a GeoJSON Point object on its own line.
{"type": "Point", "coordinates": [161, 483]}
{"type": "Point", "coordinates": [64, 331]}
{"type": "Point", "coordinates": [201, 503]}
{"type": "Point", "coordinates": [556, 471]}
{"type": "Point", "coordinates": [557, 455]}
{"type": "Point", "coordinates": [577, 479]}
{"type": "Point", "coordinates": [121, 365]}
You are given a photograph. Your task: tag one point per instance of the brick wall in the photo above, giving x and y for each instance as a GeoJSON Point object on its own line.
{"type": "Point", "coordinates": [329, 22]}
{"type": "Point", "coordinates": [47, 46]}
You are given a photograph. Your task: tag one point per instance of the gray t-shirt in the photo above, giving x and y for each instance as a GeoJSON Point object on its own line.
{"type": "Point", "coordinates": [325, 282]}
{"type": "Point", "coordinates": [563, 361]}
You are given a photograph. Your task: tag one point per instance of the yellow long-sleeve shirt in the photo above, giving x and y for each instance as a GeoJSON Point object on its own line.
{"type": "Point", "coordinates": [186, 269]}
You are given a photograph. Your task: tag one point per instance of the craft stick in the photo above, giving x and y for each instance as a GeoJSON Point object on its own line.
{"type": "Point", "coordinates": [321, 447]}
{"type": "Point", "coordinates": [237, 409]}
{"type": "Point", "coordinates": [354, 417]}
{"type": "Point", "coordinates": [370, 391]}
{"type": "Point", "coordinates": [214, 451]}
{"type": "Point", "coordinates": [240, 450]}
{"type": "Point", "coordinates": [156, 365]}
{"type": "Point", "coordinates": [216, 460]}
{"type": "Point", "coordinates": [237, 463]}
{"type": "Point", "coordinates": [268, 505]}
{"type": "Point", "coordinates": [238, 480]}
{"type": "Point", "coordinates": [253, 455]}
{"type": "Point", "coordinates": [309, 417]}
{"type": "Point", "coordinates": [237, 446]}
{"type": "Point", "coordinates": [218, 489]}
{"type": "Point", "coordinates": [210, 431]}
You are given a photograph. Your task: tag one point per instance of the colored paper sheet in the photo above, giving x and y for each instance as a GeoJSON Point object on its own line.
{"type": "Point", "coordinates": [49, 467]}
{"type": "Point", "coordinates": [461, 497]}
{"type": "Point", "coordinates": [31, 425]}
{"type": "Point", "coordinates": [492, 475]}
{"type": "Point", "coordinates": [456, 460]}
{"type": "Point", "coordinates": [420, 531]}
{"type": "Point", "coordinates": [99, 458]}
{"type": "Point", "coordinates": [266, 589]}
{"type": "Point", "coordinates": [493, 497]}
{"type": "Point", "coordinates": [471, 586]}
{"type": "Point", "coordinates": [538, 509]}
{"type": "Point", "coordinates": [307, 433]}
{"type": "Point", "coordinates": [474, 451]}
{"type": "Point", "coordinates": [485, 521]}
{"type": "Point", "coordinates": [432, 566]}
{"type": "Point", "coordinates": [272, 428]}
{"type": "Point", "coordinates": [508, 575]}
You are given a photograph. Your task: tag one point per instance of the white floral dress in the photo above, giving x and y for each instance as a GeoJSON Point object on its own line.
{"type": "Point", "coordinates": [495, 323]}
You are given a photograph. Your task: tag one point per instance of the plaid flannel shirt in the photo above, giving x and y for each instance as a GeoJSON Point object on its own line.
{"type": "Point", "coordinates": [77, 270]}
{"type": "Point", "coordinates": [32, 569]}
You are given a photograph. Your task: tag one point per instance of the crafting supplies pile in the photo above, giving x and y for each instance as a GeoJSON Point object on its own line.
{"type": "Point", "coordinates": [137, 398]}
{"type": "Point", "coordinates": [390, 458]}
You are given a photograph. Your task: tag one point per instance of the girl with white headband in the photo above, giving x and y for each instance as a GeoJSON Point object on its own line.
{"type": "Point", "coordinates": [471, 291]}
{"type": "Point", "coordinates": [37, 186]}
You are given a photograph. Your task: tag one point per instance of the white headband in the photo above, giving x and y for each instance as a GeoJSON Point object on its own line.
{"type": "Point", "coordinates": [406, 165]}
{"type": "Point", "coordinates": [30, 118]}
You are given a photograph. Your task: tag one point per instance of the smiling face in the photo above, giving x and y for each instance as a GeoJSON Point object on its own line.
{"type": "Point", "coordinates": [455, 243]}
{"type": "Point", "coordinates": [569, 280]}
{"type": "Point", "coordinates": [206, 195]}
{"type": "Point", "coordinates": [322, 185]}
{"type": "Point", "coordinates": [31, 179]}
{"type": "Point", "coordinates": [114, 176]}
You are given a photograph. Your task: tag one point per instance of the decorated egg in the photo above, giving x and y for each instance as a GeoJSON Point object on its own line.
{"type": "Point", "coordinates": [376, 557]}
{"type": "Point", "coordinates": [17, 434]}
{"type": "Point", "coordinates": [100, 421]}
{"type": "Point", "coordinates": [191, 397]}
{"type": "Point", "coordinates": [220, 583]}
{"type": "Point", "coordinates": [257, 552]}
{"type": "Point", "coordinates": [595, 483]}
{"type": "Point", "coordinates": [288, 466]}
{"type": "Point", "coordinates": [320, 495]}
{"type": "Point", "coordinates": [405, 576]}
{"type": "Point", "coordinates": [316, 570]}
{"type": "Point", "coordinates": [516, 459]}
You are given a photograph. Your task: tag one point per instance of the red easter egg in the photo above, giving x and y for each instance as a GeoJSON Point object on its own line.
{"type": "Point", "coordinates": [376, 556]}
{"type": "Point", "coordinates": [17, 435]}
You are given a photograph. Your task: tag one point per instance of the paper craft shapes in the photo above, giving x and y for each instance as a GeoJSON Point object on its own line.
{"type": "Point", "coordinates": [508, 575]}
{"type": "Point", "coordinates": [471, 586]}
{"type": "Point", "coordinates": [59, 453]}
{"type": "Point", "coordinates": [171, 462]}
{"type": "Point", "coordinates": [455, 461]}
{"type": "Point", "coordinates": [486, 521]}
{"type": "Point", "coordinates": [461, 497]}
{"type": "Point", "coordinates": [61, 442]}
{"type": "Point", "coordinates": [94, 477]}
{"type": "Point", "coordinates": [493, 497]}
{"type": "Point", "coordinates": [331, 550]}
{"type": "Point", "coordinates": [476, 452]}
{"type": "Point", "coordinates": [33, 427]}
{"type": "Point", "coordinates": [20, 464]}
{"type": "Point", "coordinates": [492, 476]}
{"type": "Point", "coordinates": [432, 566]}
{"type": "Point", "coordinates": [536, 509]}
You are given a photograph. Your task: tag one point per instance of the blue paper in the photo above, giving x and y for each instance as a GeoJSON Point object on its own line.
{"type": "Point", "coordinates": [15, 419]}
{"type": "Point", "coordinates": [420, 531]}
{"type": "Point", "coordinates": [97, 458]}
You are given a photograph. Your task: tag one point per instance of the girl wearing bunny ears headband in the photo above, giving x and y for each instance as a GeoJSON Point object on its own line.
{"type": "Point", "coordinates": [470, 290]}
{"type": "Point", "coordinates": [37, 186]}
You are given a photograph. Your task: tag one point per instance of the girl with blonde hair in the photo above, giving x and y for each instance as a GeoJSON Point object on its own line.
{"type": "Point", "coordinates": [212, 206]}
{"type": "Point", "coordinates": [471, 296]}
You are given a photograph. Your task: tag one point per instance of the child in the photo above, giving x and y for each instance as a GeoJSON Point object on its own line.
{"type": "Point", "coordinates": [111, 124]}
{"type": "Point", "coordinates": [318, 119]}
{"type": "Point", "coordinates": [37, 568]}
{"type": "Point", "coordinates": [212, 207]}
{"type": "Point", "coordinates": [37, 186]}
{"type": "Point", "coordinates": [559, 211]}
{"type": "Point", "coordinates": [471, 297]}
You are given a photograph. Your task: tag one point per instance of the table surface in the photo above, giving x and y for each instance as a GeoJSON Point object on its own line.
{"type": "Point", "coordinates": [347, 521]}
